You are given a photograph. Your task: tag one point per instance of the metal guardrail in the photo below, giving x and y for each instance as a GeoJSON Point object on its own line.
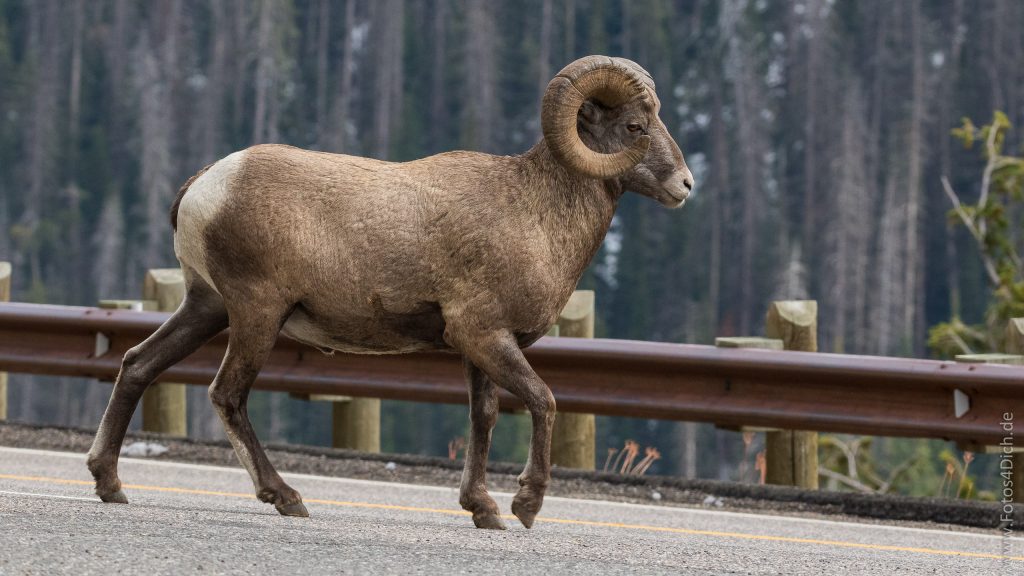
{"type": "Point", "coordinates": [728, 387]}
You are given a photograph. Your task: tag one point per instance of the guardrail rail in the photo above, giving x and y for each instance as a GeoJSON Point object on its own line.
{"type": "Point", "coordinates": [725, 386]}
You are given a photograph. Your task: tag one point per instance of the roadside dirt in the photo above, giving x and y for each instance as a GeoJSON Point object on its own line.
{"type": "Point", "coordinates": [656, 490]}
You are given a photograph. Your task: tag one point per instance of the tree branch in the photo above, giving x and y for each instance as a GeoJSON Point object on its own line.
{"type": "Point", "coordinates": [979, 236]}
{"type": "Point", "coordinates": [895, 474]}
{"type": "Point", "coordinates": [856, 485]}
{"type": "Point", "coordinates": [986, 176]}
{"type": "Point", "coordinates": [964, 348]}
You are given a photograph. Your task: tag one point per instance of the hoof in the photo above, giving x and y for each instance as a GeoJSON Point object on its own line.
{"type": "Point", "coordinates": [117, 497]}
{"type": "Point", "coordinates": [526, 508]}
{"type": "Point", "coordinates": [297, 509]}
{"type": "Point", "coordinates": [488, 521]}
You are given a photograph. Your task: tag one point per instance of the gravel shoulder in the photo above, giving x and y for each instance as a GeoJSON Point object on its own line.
{"type": "Point", "coordinates": [658, 490]}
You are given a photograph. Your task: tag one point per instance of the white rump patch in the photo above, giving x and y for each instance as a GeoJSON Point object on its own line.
{"type": "Point", "coordinates": [199, 207]}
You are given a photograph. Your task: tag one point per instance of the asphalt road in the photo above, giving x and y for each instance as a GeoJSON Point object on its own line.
{"type": "Point", "coordinates": [186, 518]}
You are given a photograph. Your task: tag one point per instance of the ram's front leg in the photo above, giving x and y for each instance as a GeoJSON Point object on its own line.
{"type": "Point", "coordinates": [498, 355]}
{"type": "Point", "coordinates": [534, 480]}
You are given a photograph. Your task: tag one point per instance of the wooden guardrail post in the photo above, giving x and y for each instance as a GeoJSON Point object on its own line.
{"type": "Point", "coordinates": [356, 424]}
{"type": "Point", "coordinates": [573, 437]}
{"type": "Point", "coordinates": [5, 296]}
{"type": "Point", "coordinates": [355, 421]}
{"type": "Point", "coordinates": [163, 404]}
{"type": "Point", "coordinates": [792, 455]}
{"type": "Point", "coordinates": [962, 405]}
{"type": "Point", "coordinates": [1015, 336]}
{"type": "Point", "coordinates": [136, 305]}
{"type": "Point", "coordinates": [748, 342]}
{"type": "Point", "coordinates": [1015, 345]}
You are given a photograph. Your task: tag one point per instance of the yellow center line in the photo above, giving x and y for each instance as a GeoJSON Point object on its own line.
{"type": "Point", "coordinates": [598, 524]}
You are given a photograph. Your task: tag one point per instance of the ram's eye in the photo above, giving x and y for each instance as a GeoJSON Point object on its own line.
{"type": "Point", "coordinates": [634, 127]}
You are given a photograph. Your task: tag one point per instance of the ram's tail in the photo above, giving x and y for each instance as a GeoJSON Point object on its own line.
{"type": "Point", "coordinates": [181, 194]}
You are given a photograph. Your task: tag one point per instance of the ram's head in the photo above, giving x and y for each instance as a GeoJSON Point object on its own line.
{"type": "Point", "coordinates": [600, 119]}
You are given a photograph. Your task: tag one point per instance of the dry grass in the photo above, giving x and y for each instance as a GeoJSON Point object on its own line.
{"type": "Point", "coordinates": [622, 461]}
{"type": "Point", "coordinates": [454, 446]}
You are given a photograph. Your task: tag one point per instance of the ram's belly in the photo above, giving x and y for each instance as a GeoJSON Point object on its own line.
{"type": "Point", "coordinates": [419, 329]}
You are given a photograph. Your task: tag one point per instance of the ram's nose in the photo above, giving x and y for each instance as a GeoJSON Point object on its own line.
{"type": "Point", "coordinates": [679, 184]}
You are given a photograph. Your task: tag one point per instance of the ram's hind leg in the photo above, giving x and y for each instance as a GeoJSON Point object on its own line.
{"type": "Point", "coordinates": [483, 414]}
{"type": "Point", "coordinates": [253, 333]}
{"type": "Point", "coordinates": [200, 317]}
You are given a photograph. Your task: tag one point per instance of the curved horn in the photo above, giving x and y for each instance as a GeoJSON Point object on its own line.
{"type": "Point", "coordinates": [610, 83]}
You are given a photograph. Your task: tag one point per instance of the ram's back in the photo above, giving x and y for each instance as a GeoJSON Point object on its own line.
{"type": "Point", "coordinates": [359, 243]}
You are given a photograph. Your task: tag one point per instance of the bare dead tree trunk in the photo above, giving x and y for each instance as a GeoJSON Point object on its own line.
{"type": "Point", "coordinates": [912, 285]}
{"type": "Point", "coordinates": [276, 427]}
{"type": "Point", "coordinates": [993, 63]}
{"type": "Point", "coordinates": [75, 84]}
{"type": "Point", "coordinates": [543, 61]}
{"type": "Point", "coordinates": [174, 53]}
{"type": "Point", "coordinates": [43, 50]}
{"type": "Point", "coordinates": [748, 112]}
{"type": "Point", "coordinates": [212, 104]}
{"type": "Point", "coordinates": [791, 282]}
{"type": "Point", "coordinates": [879, 56]}
{"type": "Point", "coordinates": [570, 31]}
{"type": "Point", "coordinates": [115, 52]}
{"type": "Point", "coordinates": [274, 109]}
{"type": "Point", "coordinates": [240, 61]}
{"type": "Point", "coordinates": [438, 82]}
{"type": "Point", "coordinates": [322, 80]}
{"type": "Point", "coordinates": [544, 58]}
{"type": "Point", "coordinates": [627, 40]}
{"type": "Point", "coordinates": [156, 167]}
{"type": "Point", "coordinates": [877, 317]}
{"type": "Point", "coordinates": [849, 224]}
{"type": "Point", "coordinates": [945, 152]}
{"type": "Point", "coordinates": [264, 71]}
{"type": "Point", "coordinates": [335, 138]}
{"type": "Point", "coordinates": [171, 44]}
{"type": "Point", "coordinates": [5, 221]}
{"type": "Point", "coordinates": [75, 267]}
{"type": "Point", "coordinates": [720, 171]}
{"type": "Point", "coordinates": [268, 73]}
{"type": "Point", "coordinates": [1014, 73]}
{"type": "Point", "coordinates": [840, 270]}
{"type": "Point", "coordinates": [731, 70]}
{"type": "Point", "coordinates": [686, 433]}
{"type": "Point", "coordinates": [280, 69]}
{"type": "Point", "coordinates": [810, 131]}
{"type": "Point", "coordinates": [155, 173]}
{"type": "Point", "coordinates": [482, 95]}
{"type": "Point", "coordinates": [210, 130]}
{"type": "Point", "coordinates": [889, 303]}
{"type": "Point", "coordinates": [42, 173]}
{"type": "Point", "coordinates": [42, 113]}
{"type": "Point", "coordinates": [387, 21]}
{"type": "Point", "coordinates": [109, 272]}
{"type": "Point", "coordinates": [108, 245]}
{"type": "Point", "coordinates": [861, 230]}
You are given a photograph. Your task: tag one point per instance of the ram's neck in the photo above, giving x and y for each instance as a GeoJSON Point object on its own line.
{"type": "Point", "coordinates": [575, 212]}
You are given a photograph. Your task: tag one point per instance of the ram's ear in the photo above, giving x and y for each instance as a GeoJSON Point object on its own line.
{"type": "Point", "coordinates": [591, 113]}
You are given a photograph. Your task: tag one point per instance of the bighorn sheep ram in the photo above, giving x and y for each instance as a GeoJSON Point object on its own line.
{"type": "Point", "coordinates": [461, 251]}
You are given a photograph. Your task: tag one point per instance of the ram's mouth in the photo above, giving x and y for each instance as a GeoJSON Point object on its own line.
{"type": "Point", "coordinates": [670, 200]}
{"type": "Point", "coordinates": [675, 191]}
